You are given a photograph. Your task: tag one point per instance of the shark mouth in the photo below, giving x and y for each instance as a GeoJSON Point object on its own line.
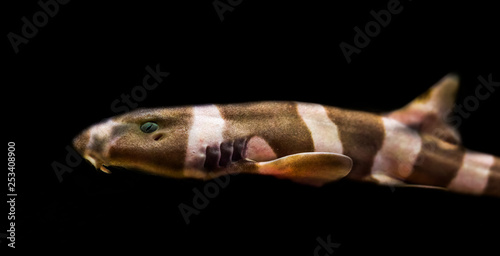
{"type": "Point", "coordinates": [97, 163]}
{"type": "Point", "coordinates": [224, 154]}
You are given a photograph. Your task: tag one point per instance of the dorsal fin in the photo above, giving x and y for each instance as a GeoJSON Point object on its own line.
{"type": "Point", "coordinates": [428, 112]}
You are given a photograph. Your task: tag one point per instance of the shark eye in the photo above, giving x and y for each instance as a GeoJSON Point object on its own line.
{"type": "Point", "coordinates": [149, 127]}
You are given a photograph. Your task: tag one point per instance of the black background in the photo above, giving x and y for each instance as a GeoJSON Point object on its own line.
{"type": "Point", "coordinates": [65, 78]}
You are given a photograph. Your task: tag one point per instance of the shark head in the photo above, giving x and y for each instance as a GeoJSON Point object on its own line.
{"type": "Point", "coordinates": [151, 140]}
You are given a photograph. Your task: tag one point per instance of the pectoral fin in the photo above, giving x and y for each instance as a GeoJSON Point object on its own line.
{"type": "Point", "coordinates": [313, 168]}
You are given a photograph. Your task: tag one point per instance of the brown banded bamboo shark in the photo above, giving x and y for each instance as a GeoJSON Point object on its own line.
{"type": "Point", "coordinates": [303, 142]}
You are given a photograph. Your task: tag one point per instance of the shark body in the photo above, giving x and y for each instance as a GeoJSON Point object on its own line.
{"type": "Point", "coordinates": [305, 142]}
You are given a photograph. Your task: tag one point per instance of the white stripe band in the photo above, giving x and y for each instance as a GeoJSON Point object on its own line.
{"type": "Point", "coordinates": [206, 130]}
{"type": "Point", "coordinates": [399, 150]}
{"type": "Point", "coordinates": [324, 132]}
{"type": "Point", "coordinates": [472, 177]}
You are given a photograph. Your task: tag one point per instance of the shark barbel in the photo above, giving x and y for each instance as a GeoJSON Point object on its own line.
{"type": "Point", "coordinates": [305, 142]}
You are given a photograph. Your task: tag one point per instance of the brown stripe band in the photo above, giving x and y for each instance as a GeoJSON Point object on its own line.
{"type": "Point", "coordinates": [437, 163]}
{"type": "Point", "coordinates": [493, 186]}
{"type": "Point", "coordinates": [360, 144]}
{"type": "Point", "coordinates": [278, 123]}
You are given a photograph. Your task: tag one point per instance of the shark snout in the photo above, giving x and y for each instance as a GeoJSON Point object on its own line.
{"type": "Point", "coordinates": [93, 144]}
